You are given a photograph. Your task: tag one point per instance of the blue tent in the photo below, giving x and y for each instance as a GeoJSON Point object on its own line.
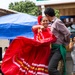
{"type": "Point", "coordinates": [14, 25]}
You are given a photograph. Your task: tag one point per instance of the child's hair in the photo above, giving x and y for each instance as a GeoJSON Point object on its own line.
{"type": "Point", "coordinates": [73, 38]}
{"type": "Point", "coordinates": [5, 48]}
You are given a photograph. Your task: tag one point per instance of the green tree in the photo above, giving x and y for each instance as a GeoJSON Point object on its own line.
{"type": "Point", "coordinates": [25, 6]}
{"type": "Point", "coordinates": [57, 13]}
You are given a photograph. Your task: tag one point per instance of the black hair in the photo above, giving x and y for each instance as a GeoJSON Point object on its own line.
{"type": "Point", "coordinates": [41, 19]}
{"type": "Point", "coordinates": [49, 11]}
{"type": "Point", "coordinates": [5, 48]}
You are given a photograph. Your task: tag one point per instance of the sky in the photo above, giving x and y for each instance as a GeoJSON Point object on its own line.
{"type": "Point", "coordinates": [5, 3]}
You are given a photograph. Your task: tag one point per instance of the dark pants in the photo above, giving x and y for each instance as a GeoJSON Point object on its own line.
{"type": "Point", "coordinates": [53, 63]}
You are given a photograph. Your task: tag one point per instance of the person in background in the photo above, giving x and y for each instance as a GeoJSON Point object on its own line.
{"type": "Point", "coordinates": [58, 50]}
{"type": "Point", "coordinates": [72, 48]}
{"type": "Point", "coordinates": [4, 52]}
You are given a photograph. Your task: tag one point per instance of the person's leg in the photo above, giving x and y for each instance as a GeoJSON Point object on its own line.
{"type": "Point", "coordinates": [73, 59]}
{"type": "Point", "coordinates": [53, 63]}
{"type": "Point", "coordinates": [73, 69]}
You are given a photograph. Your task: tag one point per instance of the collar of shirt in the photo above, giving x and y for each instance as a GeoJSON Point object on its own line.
{"type": "Point", "coordinates": [52, 21]}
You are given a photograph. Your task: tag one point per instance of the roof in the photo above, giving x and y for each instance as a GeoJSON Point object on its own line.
{"type": "Point", "coordinates": [53, 2]}
{"type": "Point", "coordinates": [6, 12]}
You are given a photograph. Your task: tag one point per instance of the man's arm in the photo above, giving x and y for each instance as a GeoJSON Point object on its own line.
{"type": "Point", "coordinates": [63, 30]}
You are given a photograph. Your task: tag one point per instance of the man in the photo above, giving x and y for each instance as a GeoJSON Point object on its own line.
{"type": "Point", "coordinates": [58, 48]}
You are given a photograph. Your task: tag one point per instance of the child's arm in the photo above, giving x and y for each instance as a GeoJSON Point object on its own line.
{"type": "Point", "coordinates": [37, 27]}
{"type": "Point", "coordinates": [71, 45]}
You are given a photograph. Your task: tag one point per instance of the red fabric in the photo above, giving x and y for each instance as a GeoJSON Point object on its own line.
{"type": "Point", "coordinates": [39, 19]}
{"type": "Point", "coordinates": [26, 56]}
{"type": "Point", "coordinates": [44, 35]}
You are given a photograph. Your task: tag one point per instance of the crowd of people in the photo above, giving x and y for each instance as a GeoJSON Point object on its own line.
{"type": "Point", "coordinates": [41, 55]}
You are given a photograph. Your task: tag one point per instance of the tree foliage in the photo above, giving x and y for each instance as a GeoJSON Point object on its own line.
{"type": "Point", "coordinates": [57, 13]}
{"type": "Point", "coordinates": [25, 6]}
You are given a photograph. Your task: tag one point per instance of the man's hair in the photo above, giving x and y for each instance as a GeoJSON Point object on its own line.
{"type": "Point", "coordinates": [49, 11]}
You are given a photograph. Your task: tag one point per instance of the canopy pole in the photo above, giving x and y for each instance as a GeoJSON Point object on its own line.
{"type": "Point", "coordinates": [43, 9]}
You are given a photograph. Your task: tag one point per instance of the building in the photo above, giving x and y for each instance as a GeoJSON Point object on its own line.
{"type": "Point", "coordinates": [5, 42]}
{"type": "Point", "coordinates": [66, 8]}
{"type": "Point", "coordinates": [4, 12]}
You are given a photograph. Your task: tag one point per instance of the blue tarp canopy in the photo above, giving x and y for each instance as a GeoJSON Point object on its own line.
{"type": "Point", "coordinates": [14, 25]}
{"type": "Point", "coordinates": [64, 17]}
